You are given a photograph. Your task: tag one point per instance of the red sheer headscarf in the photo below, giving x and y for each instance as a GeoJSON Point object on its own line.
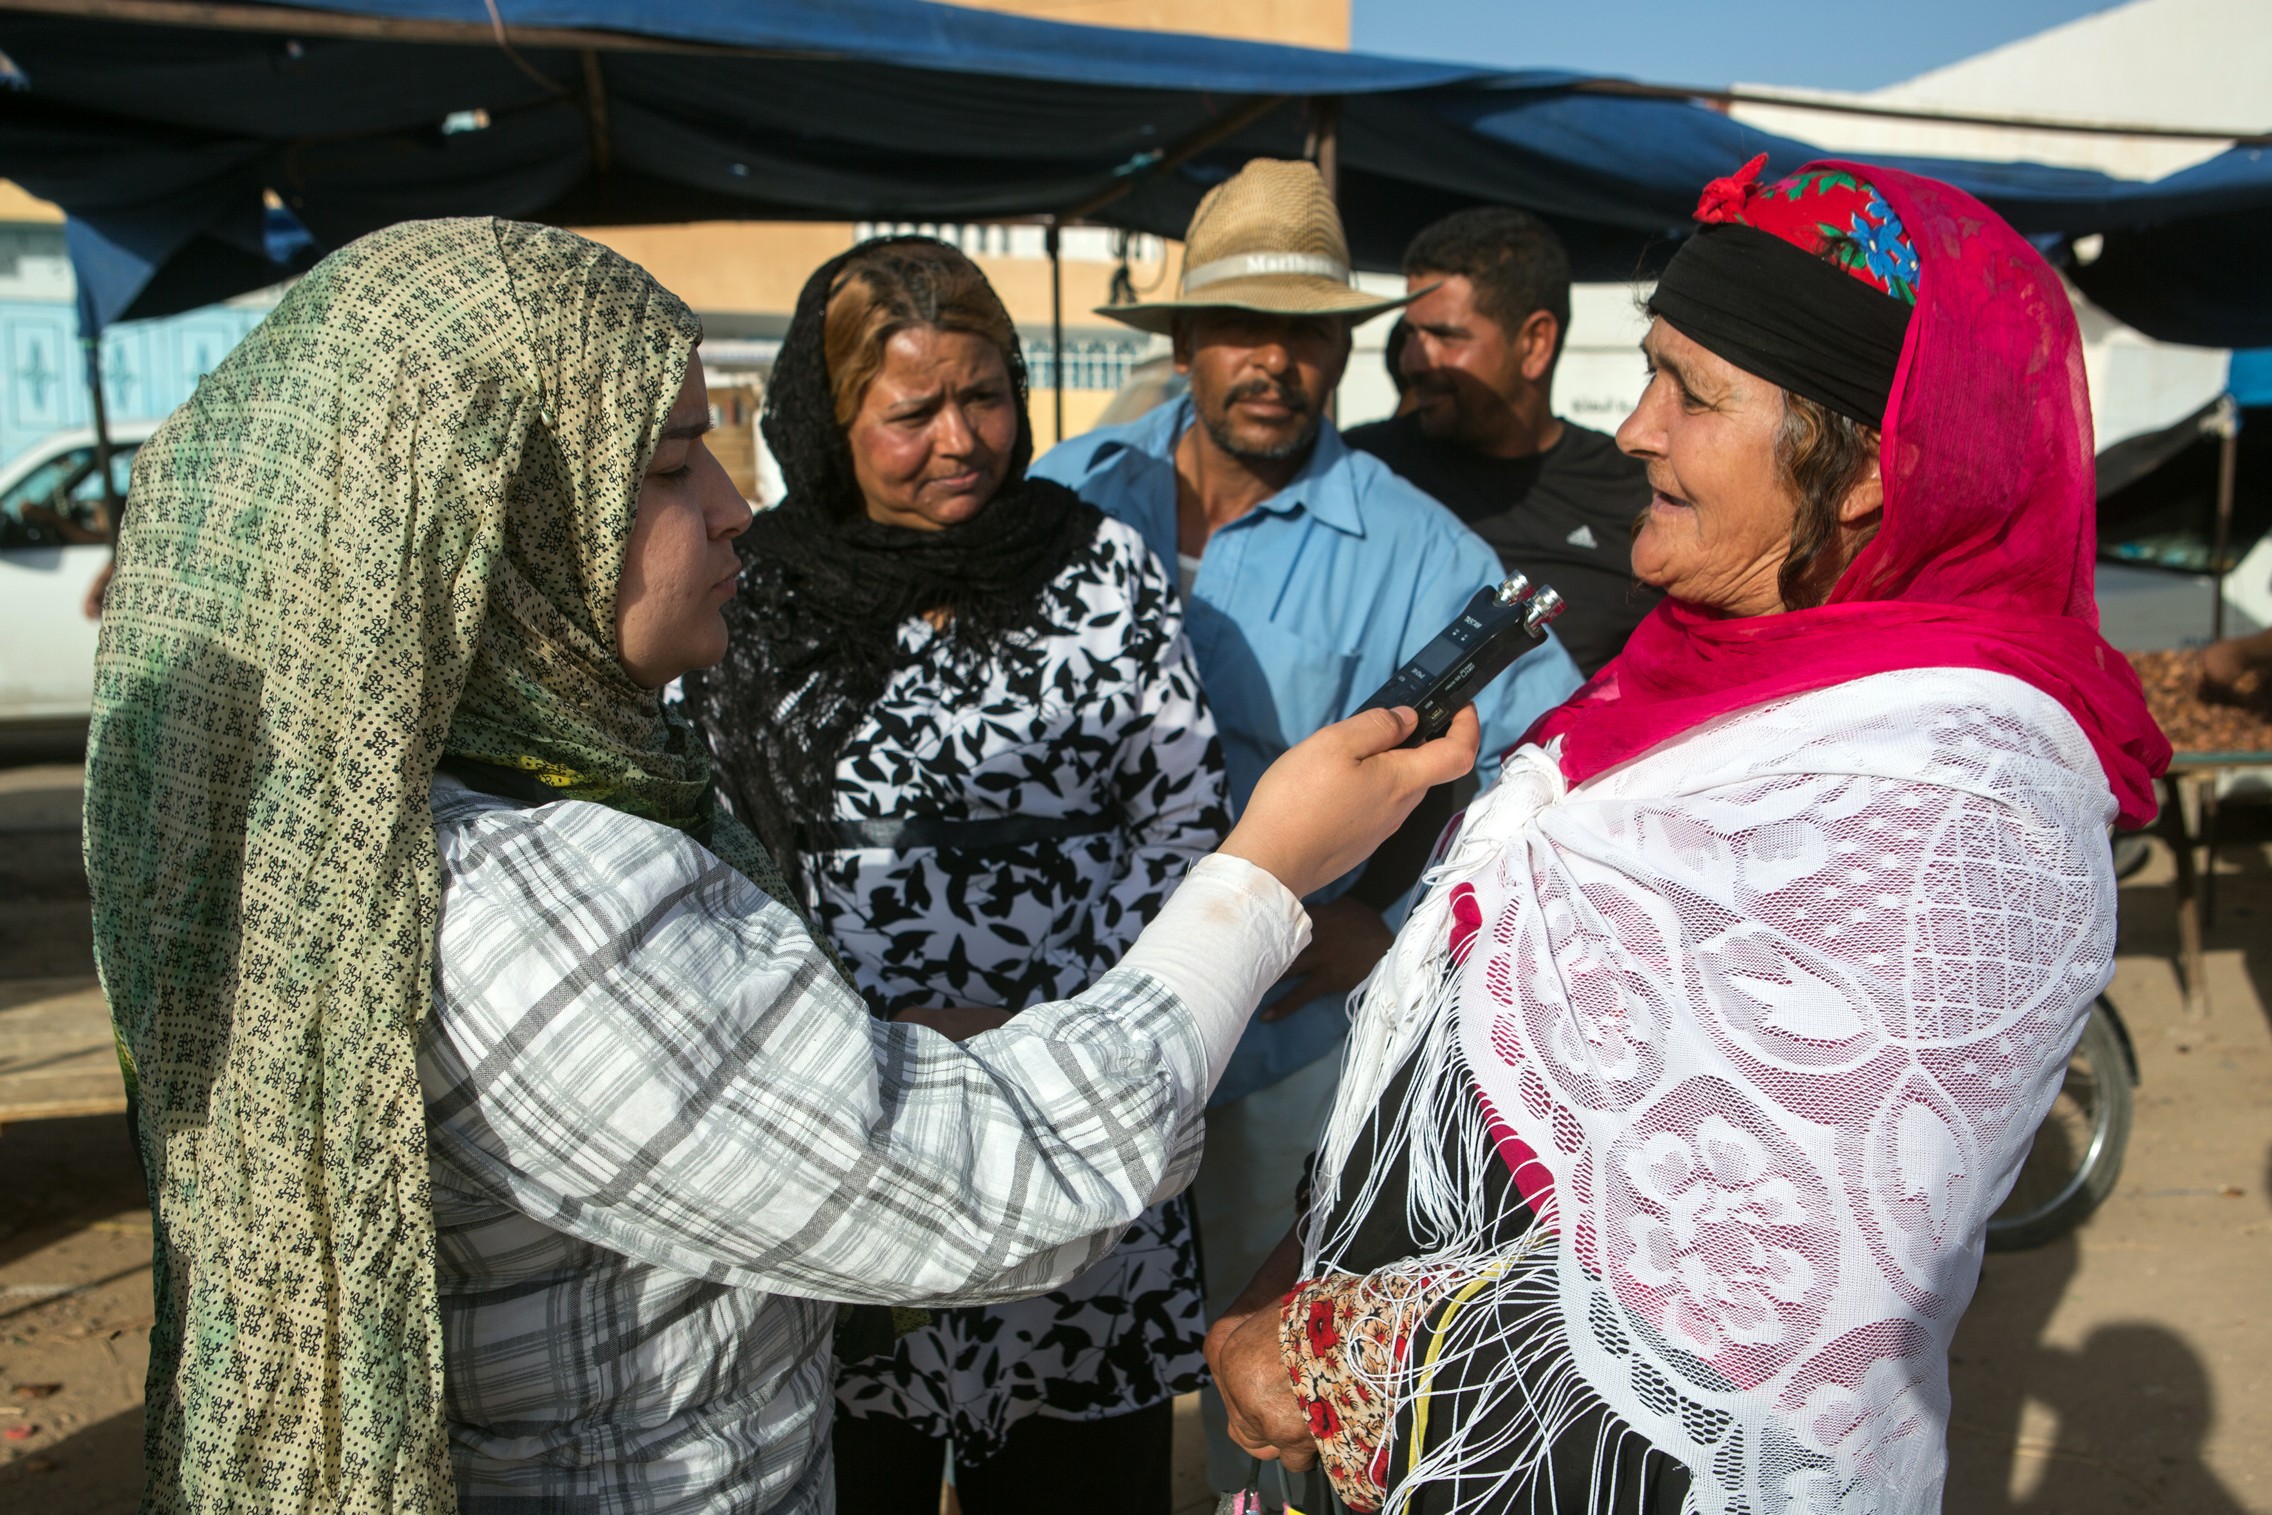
{"type": "Point", "coordinates": [1982, 558]}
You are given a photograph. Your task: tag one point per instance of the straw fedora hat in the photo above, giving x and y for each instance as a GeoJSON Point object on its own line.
{"type": "Point", "coordinates": [1268, 238]}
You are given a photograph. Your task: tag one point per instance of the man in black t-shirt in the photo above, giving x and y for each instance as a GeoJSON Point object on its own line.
{"type": "Point", "coordinates": [1554, 498]}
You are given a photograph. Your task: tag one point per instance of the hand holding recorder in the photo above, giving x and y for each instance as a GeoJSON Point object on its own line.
{"type": "Point", "coordinates": [1328, 802]}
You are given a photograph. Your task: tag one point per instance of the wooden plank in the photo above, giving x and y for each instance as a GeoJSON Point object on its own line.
{"type": "Point", "coordinates": [57, 1055]}
{"type": "Point", "coordinates": [2183, 760]}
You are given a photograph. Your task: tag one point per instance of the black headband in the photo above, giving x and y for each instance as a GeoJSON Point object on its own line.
{"type": "Point", "coordinates": [1792, 318]}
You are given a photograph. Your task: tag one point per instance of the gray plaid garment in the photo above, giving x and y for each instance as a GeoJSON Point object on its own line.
{"type": "Point", "coordinates": [666, 1138]}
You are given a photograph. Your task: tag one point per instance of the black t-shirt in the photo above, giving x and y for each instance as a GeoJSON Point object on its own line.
{"type": "Point", "coordinates": [1563, 516]}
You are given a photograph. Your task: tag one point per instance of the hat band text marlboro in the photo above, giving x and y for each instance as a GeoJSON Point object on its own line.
{"type": "Point", "coordinates": [1249, 265]}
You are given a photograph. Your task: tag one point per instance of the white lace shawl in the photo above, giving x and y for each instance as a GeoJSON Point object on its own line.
{"type": "Point", "coordinates": [1778, 1006]}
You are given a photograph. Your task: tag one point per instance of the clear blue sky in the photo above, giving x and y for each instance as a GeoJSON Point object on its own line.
{"type": "Point", "coordinates": [1820, 44]}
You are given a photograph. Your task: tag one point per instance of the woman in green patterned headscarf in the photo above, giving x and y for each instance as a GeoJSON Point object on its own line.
{"type": "Point", "coordinates": [459, 1026]}
{"type": "Point", "coordinates": [390, 526]}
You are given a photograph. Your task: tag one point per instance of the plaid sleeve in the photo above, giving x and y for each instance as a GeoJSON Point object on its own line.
{"type": "Point", "coordinates": [634, 1046]}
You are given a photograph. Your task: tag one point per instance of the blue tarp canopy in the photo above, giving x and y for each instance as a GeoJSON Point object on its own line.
{"type": "Point", "coordinates": [2248, 378]}
{"type": "Point", "coordinates": [162, 137]}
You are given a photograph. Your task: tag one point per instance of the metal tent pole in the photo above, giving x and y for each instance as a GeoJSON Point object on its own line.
{"type": "Point", "coordinates": [1056, 329]}
{"type": "Point", "coordinates": [94, 349]}
{"type": "Point", "coordinates": [1324, 149]}
{"type": "Point", "coordinates": [595, 115]}
{"type": "Point", "coordinates": [1325, 141]}
{"type": "Point", "coordinates": [2227, 426]}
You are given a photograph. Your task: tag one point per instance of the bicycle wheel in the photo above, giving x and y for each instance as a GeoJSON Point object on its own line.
{"type": "Point", "coordinates": [2078, 1150]}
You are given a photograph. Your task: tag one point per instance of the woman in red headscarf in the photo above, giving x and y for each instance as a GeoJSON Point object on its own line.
{"type": "Point", "coordinates": [1671, 1126]}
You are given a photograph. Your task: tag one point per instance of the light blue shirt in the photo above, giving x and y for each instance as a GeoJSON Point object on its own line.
{"type": "Point", "coordinates": [1302, 608]}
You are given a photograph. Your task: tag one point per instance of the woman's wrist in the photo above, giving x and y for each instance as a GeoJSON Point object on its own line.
{"type": "Point", "coordinates": [1248, 846]}
{"type": "Point", "coordinates": [1277, 1276]}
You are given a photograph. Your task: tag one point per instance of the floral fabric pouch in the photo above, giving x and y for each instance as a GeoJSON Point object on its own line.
{"type": "Point", "coordinates": [1344, 1337]}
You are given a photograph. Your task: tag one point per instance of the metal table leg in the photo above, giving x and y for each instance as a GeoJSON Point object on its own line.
{"type": "Point", "coordinates": [2178, 829]}
{"type": "Point", "coordinates": [2205, 803]}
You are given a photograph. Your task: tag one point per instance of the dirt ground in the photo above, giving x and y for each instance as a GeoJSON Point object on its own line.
{"type": "Point", "coordinates": [2126, 1368]}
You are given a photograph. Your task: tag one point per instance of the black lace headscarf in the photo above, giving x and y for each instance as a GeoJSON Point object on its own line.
{"type": "Point", "coordinates": [814, 631]}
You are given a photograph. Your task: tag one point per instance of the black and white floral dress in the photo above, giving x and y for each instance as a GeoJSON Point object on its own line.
{"type": "Point", "coordinates": [1086, 765]}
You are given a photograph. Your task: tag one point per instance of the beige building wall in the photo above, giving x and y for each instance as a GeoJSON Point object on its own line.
{"type": "Point", "coordinates": [1299, 23]}
{"type": "Point", "coordinates": [758, 267]}
{"type": "Point", "coordinates": [16, 205]}
{"type": "Point", "coordinates": [730, 265]}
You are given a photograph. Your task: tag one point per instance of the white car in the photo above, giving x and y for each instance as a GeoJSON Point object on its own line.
{"type": "Point", "coordinates": [54, 539]}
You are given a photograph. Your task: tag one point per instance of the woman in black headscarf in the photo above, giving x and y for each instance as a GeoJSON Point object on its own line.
{"type": "Point", "coordinates": [960, 707]}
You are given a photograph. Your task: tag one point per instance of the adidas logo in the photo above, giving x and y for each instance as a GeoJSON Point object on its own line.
{"type": "Point", "coordinates": [1582, 537]}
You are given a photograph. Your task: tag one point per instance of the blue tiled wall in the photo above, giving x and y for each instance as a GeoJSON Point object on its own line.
{"type": "Point", "coordinates": [149, 367]}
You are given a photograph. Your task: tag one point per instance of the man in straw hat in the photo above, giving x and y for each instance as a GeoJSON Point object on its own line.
{"type": "Point", "coordinates": [1310, 573]}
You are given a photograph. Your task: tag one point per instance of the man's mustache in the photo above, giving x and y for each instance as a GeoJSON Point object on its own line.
{"type": "Point", "coordinates": [1265, 389]}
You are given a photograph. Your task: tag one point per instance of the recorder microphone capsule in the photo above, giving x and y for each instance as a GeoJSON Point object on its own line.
{"type": "Point", "coordinates": [1544, 606]}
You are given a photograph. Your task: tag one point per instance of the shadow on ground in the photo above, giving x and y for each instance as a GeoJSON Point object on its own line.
{"type": "Point", "coordinates": [2116, 1424]}
{"type": "Point", "coordinates": [62, 1177]}
{"type": "Point", "coordinates": [94, 1471]}
{"type": "Point", "coordinates": [44, 928]}
{"type": "Point", "coordinates": [72, 1213]}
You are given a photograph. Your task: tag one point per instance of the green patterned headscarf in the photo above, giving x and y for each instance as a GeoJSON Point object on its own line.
{"type": "Point", "coordinates": [388, 527]}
